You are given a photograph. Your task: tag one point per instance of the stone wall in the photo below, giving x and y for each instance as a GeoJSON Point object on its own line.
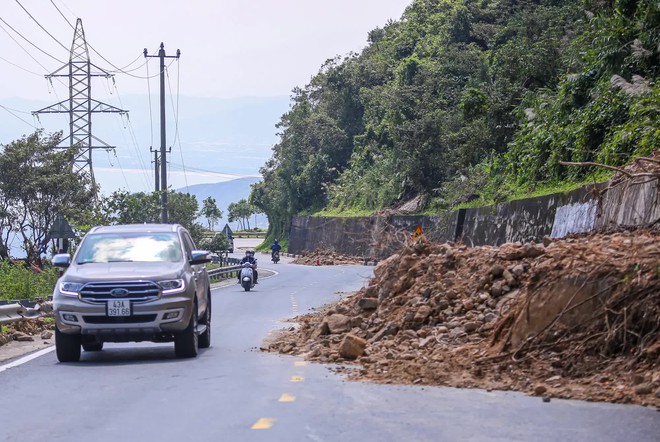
{"type": "Point", "coordinates": [628, 204]}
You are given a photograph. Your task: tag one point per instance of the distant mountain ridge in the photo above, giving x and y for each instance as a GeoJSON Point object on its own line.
{"type": "Point", "coordinates": [225, 193]}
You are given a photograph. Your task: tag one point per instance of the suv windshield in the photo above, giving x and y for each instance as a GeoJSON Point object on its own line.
{"type": "Point", "coordinates": [130, 247]}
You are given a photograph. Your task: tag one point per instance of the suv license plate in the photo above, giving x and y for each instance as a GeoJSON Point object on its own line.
{"type": "Point", "coordinates": [119, 307]}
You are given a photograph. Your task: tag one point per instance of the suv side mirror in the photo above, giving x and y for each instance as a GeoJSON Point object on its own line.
{"type": "Point", "coordinates": [62, 260]}
{"type": "Point", "coordinates": [200, 257]}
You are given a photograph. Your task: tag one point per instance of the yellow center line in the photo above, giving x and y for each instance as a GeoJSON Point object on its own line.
{"type": "Point", "coordinates": [300, 363]}
{"type": "Point", "coordinates": [263, 424]}
{"type": "Point", "coordinates": [297, 378]}
{"type": "Point", "coordinates": [287, 398]}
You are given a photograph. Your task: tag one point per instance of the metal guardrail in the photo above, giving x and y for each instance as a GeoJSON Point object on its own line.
{"type": "Point", "coordinates": [248, 235]}
{"type": "Point", "coordinates": [16, 310]}
{"type": "Point", "coordinates": [230, 268]}
{"type": "Point", "coordinates": [224, 272]}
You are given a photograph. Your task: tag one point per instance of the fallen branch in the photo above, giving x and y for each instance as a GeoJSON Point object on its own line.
{"type": "Point", "coordinates": [604, 166]}
{"type": "Point", "coordinates": [616, 169]}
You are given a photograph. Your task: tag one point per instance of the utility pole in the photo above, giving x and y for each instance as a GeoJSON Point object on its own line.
{"type": "Point", "coordinates": [80, 106]}
{"type": "Point", "coordinates": [156, 163]}
{"type": "Point", "coordinates": [163, 150]}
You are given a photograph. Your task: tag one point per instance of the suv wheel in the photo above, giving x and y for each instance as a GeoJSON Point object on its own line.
{"type": "Point", "coordinates": [67, 347]}
{"type": "Point", "coordinates": [205, 338]}
{"type": "Point", "coordinates": [186, 344]}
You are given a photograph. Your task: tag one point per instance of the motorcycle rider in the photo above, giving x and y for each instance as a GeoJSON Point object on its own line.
{"type": "Point", "coordinates": [249, 257]}
{"type": "Point", "coordinates": [276, 247]}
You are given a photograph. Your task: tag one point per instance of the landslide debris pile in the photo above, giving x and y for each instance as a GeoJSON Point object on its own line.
{"type": "Point", "coordinates": [326, 258]}
{"type": "Point", "coordinates": [573, 318]}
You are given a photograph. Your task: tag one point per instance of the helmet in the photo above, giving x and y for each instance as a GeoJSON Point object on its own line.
{"type": "Point", "coordinates": [247, 252]}
{"type": "Point", "coordinates": [277, 241]}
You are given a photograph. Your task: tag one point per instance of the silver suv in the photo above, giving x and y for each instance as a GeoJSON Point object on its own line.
{"type": "Point", "coordinates": [142, 282]}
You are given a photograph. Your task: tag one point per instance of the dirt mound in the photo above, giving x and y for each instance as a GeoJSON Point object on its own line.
{"type": "Point", "coordinates": [576, 318]}
{"type": "Point", "coordinates": [326, 258]}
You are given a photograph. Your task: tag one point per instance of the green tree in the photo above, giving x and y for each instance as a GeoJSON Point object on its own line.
{"type": "Point", "coordinates": [37, 182]}
{"type": "Point", "coordinates": [210, 211]}
{"type": "Point", "coordinates": [216, 244]}
{"type": "Point", "coordinates": [241, 211]}
{"type": "Point", "coordinates": [122, 207]}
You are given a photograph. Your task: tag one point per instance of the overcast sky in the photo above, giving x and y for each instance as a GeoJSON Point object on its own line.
{"type": "Point", "coordinates": [229, 48]}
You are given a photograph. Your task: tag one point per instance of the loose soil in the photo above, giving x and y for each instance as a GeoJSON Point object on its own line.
{"type": "Point", "coordinates": [574, 318]}
{"type": "Point", "coordinates": [326, 258]}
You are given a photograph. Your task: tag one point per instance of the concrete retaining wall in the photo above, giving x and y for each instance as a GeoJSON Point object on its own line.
{"type": "Point", "coordinates": [583, 210]}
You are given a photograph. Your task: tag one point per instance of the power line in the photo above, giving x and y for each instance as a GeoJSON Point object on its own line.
{"type": "Point", "coordinates": [21, 67]}
{"type": "Point", "coordinates": [117, 70]}
{"type": "Point", "coordinates": [39, 24]}
{"type": "Point", "coordinates": [215, 172]}
{"type": "Point", "coordinates": [29, 55]}
{"type": "Point", "coordinates": [151, 117]}
{"type": "Point", "coordinates": [12, 113]}
{"type": "Point", "coordinates": [131, 132]}
{"type": "Point", "coordinates": [26, 39]}
{"type": "Point", "coordinates": [120, 168]}
{"type": "Point", "coordinates": [175, 110]}
{"type": "Point", "coordinates": [63, 16]}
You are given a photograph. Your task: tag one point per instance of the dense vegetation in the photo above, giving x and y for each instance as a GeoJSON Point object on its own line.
{"type": "Point", "coordinates": [19, 282]}
{"type": "Point", "coordinates": [480, 97]}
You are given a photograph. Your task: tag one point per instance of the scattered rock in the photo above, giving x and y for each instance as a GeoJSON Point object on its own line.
{"type": "Point", "coordinates": [352, 347]}
{"type": "Point", "coordinates": [643, 389]}
{"type": "Point", "coordinates": [338, 323]}
{"type": "Point", "coordinates": [368, 303]}
{"type": "Point", "coordinates": [540, 389]}
{"type": "Point", "coordinates": [22, 337]}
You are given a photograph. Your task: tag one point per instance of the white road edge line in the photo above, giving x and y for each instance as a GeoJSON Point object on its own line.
{"type": "Point", "coordinates": [27, 358]}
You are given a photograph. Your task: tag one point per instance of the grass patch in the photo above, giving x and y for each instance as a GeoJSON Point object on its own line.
{"type": "Point", "coordinates": [343, 213]}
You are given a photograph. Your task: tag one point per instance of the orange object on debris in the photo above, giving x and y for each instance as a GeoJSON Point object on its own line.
{"type": "Point", "coordinates": [318, 262]}
{"type": "Point", "coordinates": [417, 233]}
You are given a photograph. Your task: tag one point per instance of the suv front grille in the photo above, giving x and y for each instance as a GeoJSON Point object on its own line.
{"type": "Point", "coordinates": [136, 291]}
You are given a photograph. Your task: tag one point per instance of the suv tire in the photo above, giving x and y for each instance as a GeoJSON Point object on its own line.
{"type": "Point", "coordinates": [205, 338]}
{"type": "Point", "coordinates": [186, 345]}
{"type": "Point", "coordinates": [67, 347]}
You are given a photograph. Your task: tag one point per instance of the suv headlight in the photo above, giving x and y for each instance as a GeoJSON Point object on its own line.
{"type": "Point", "coordinates": [70, 288]}
{"type": "Point", "coordinates": [172, 286]}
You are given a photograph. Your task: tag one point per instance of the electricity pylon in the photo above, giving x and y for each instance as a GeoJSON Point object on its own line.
{"type": "Point", "coordinates": [80, 105]}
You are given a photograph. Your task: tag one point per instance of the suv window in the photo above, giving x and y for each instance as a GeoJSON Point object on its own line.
{"type": "Point", "coordinates": [130, 247]}
{"type": "Point", "coordinates": [188, 244]}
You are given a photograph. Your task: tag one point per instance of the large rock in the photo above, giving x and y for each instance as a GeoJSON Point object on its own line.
{"type": "Point", "coordinates": [338, 323]}
{"type": "Point", "coordinates": [352, 347]}
{"type": "Point", "coordinates": [389, 330]}
{"type": "Point", "coordinates": [421, 314]}
{"type": "Point", "coordinates": [368, 303]}
{"type": "Point", "coordinates": [22, 337]}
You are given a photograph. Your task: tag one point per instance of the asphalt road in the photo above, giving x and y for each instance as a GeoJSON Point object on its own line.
{"type": "Point", "coordinates": [234, 392]}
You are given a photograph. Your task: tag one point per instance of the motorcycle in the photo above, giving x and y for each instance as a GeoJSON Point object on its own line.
{"type": "Point", "coordinates": [247, 276]}
{"type": "Point", "coordinates": [276, 257]}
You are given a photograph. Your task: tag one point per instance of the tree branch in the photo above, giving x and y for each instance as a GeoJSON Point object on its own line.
{"type": "Point", "coordinates": [589, 163]}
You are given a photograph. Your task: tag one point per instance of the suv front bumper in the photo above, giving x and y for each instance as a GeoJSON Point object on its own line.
{"type": "Point", "coordinates": [158, 319]}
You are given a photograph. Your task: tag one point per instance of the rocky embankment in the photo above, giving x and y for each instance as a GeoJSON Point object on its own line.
{"type": "Point", "coordinates": [575, 318]}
